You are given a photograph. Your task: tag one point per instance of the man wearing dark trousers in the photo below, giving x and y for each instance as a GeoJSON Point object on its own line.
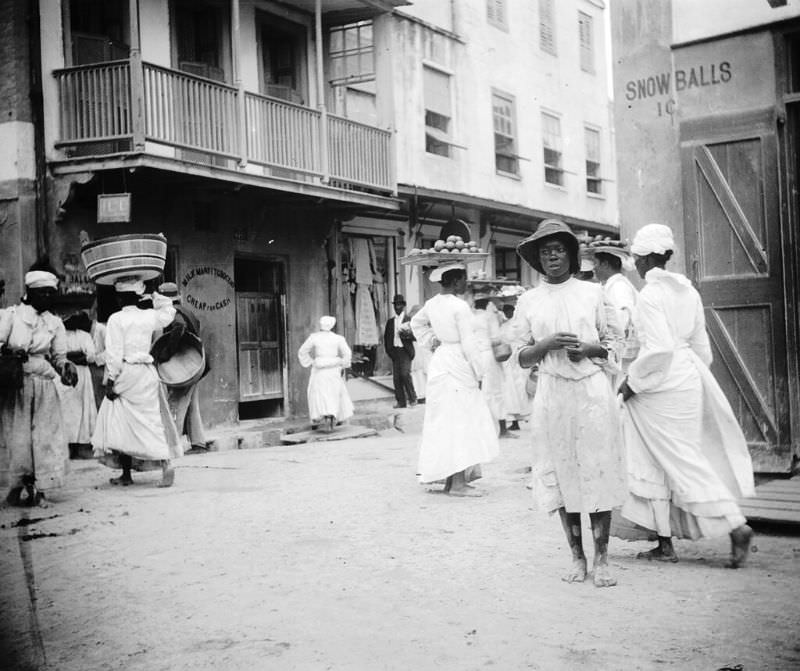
{"type": "Point", "coordinates": [399, 344]}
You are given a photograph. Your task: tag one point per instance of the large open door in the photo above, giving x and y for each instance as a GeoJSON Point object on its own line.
{"type": "Point", "coordinates": [737, 253]}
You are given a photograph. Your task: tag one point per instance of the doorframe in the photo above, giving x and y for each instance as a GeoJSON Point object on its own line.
{"type": "Point", "coordinates": [284, 328]}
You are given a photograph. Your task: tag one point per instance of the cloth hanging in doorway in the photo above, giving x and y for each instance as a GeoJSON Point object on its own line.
{"type": "Point", "coordinates": [367, 332]}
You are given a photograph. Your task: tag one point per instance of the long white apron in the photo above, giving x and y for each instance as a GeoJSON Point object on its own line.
{"type": "Point", "coordinates": [458, 431]}
{"type": "Point", "coordinates": [134, 422]}
{"type": "Point", "coordinates": [327, 394]}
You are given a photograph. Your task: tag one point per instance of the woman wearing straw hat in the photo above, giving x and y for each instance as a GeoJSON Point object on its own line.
{"type": "Point", "coordinates": [688, 461]}
{"type": "Point", "coordinates": [458, 432]}
{"type": "Point", "coordinates": [327, 354]}
{"type": "Point", "coordinates": [134, 427]}
{"type": "Point", "coordinates": [33, 449]}
{"type": "Point", "coordinates": [578, 466]}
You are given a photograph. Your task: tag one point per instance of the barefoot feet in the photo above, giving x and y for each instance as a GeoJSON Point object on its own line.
{"type": "Point", "coordinates": [167, 476]}
{"type": "Point", "coordinates": [123, 480]}
{"type": "Point", "coordinates": [741, 538]}
{"type": "Point", "coordinates": [577, 572]}
{"type": "Point", "coordinates": [659, 553]}
{"type": "Point", "coordinates": [602, 576]}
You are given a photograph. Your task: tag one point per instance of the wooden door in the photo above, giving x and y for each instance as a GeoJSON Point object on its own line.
{"type": "Point", "coordinates": [259, 319]}
{"type": "Point", "coordinates": [736, 251]}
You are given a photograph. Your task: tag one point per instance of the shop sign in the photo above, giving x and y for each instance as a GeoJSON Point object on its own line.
{"type": "Point", "coordinates": [113, 207]}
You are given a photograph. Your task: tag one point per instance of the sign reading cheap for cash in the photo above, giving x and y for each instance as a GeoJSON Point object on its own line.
{"type": "Point", "coordinates": [209, 288]}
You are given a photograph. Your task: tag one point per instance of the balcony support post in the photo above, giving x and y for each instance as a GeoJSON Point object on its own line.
{"type": "Point", "coordinates": [137, 79]}
{"type": "Point", "coordinates": [241, 125]}
{"type": "Point", "coordinates": [323, 111]}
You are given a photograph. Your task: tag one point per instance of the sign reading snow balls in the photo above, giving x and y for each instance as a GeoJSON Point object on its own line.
{"type": "Point", "coordinates": [209, 288]}
{"type": "Point", "coordinates": [668, 83]}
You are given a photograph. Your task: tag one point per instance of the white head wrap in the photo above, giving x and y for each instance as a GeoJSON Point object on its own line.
{"type": "Point", "coordinates": [327, 322]}
{"type": "Point", "coordinates": [436, 273]}
{"type": "Point", "coordinates": [40, 279]}
{"type": "Point", "coordinates": [652, 239]}
{"type": "Point", "coordinates": [130, 284]}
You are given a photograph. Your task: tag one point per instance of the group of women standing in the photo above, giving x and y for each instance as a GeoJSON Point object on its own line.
{"type": "Point", "coordinates": [672, 458]}
{"type": "Point", "coordinates": [52, 404]}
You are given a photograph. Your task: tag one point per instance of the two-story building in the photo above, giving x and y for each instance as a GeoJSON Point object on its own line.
{"type": "Point", "coordinates": [292, 152]}
{"type": "Point", "coordinates": [707, 111]}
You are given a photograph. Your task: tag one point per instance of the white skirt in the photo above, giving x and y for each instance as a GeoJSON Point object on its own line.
{"type": "Point", "coordinates": [458, 431]}
{"type": "Point", "coordinates": [327, 394]}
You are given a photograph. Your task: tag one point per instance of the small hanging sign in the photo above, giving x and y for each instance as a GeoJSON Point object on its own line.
{"type": "Point", "coordinates": [113, 207]}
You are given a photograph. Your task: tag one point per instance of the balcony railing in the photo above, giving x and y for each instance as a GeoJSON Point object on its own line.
{"type": "Point", "coordinates": [189, 112]}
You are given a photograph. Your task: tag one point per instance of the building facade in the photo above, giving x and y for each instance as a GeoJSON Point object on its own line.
{"type": "Point", "coordinates": [707, 97]}
{"type": "Point", "coordinates": [292, 152]}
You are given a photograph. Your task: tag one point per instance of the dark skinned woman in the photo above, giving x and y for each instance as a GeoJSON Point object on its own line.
{"type": "Point", "coordinates": [33, 449]}
{"type": "Point", "coordinates": [578, 465]}
{"type": "Point", "coordinates": [688, 461]}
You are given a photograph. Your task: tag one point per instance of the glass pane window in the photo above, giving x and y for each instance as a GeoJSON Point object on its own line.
{"type": "Point", "coordinates": [547, 27]}
{"type": "Point", "coordinates": [507, 264]}
{"type": "Point", "coordinates": [586, 36]}
{"type": "Point", "coordinates": [505, 143]}
{"type": "Point", "coordinates": [551, 141]}
{"type": "Point", "coordinates": [352, 54]}
{"type": "Point", "coordinates": [594, 182]}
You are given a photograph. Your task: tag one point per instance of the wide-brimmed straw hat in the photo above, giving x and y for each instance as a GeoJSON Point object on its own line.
{"type": "Point", "coordinates": [528, 249]}
{"type": "Point", "coordinates": [436, 273]}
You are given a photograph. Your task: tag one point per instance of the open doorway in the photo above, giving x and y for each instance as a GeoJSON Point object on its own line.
{"type": "Point", "coordinates": [261, 336]}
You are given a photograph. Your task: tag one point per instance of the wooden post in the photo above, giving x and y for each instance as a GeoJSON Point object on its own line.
{"type": "Point", "coordinates": [137, 79]}
{"type": "Point", "coordinates": [241, 130]}
{"type": "Point", "coordinates": [323, 111]}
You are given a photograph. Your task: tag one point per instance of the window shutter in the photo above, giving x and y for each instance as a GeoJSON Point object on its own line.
{"type": "Point", "coordinates": [546, 27]}
{"type": "Point", "coordinates": [436, 91]}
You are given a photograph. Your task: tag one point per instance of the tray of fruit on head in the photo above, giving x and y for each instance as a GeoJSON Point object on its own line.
{"type": "Point", "coordinates": [452, 250]}
{"type": "Point", "coordinates": [589, 243]}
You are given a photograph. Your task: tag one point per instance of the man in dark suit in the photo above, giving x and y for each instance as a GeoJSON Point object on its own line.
{"type": "Point", "coordinates": [399, 344]}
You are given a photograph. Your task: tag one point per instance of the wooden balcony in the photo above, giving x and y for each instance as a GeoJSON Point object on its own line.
{"type": "Point", "coordinates": [110, 108]}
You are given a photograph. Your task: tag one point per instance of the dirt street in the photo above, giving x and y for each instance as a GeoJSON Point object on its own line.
{"type": "Point", "coordinates": [331, 556]}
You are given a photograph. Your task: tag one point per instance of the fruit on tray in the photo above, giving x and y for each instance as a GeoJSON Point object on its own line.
{"type": "Point", "coordinates": [454, 244]}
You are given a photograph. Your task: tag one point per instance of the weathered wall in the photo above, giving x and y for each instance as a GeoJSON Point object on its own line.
{"type": "Point", "coordinates": [209, 226]}
{"type": "Point", "coordinates": [511, 61]}
{"type": "Point", "coordinates": [17, 164]}
{"type": "Point", "coordinates": [648, 152]}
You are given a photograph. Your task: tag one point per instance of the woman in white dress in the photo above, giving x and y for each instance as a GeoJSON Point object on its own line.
{"type": "Point", "coordinates": [78, 405]}
{"type": "Point", "coordinates": [459, 432]}
{"type": "Point", "coordinates": [33, 450]}
{"type": "Point", "coordinates": [516, 402]}
{"type": "Point", "coordinates": [134, 427]}
{"type": "Point", "coordinates": [688, 460]}
{"type": "Point", "coordinates": [327, 354]}
{"type": "Point", "coordinates": [578, 465]}
{"type": "Point", "coordinates": [486, 323]}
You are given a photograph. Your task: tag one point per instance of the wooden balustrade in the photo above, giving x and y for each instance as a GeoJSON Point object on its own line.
{"type": "Point", "coordinates": [359, 154]}
{"type": "Point", "coordinates": [187, 111]}
{"type": "Point", "coordinates": [95, 102]}
{"type": "Point", "coordinates": [282, 134]}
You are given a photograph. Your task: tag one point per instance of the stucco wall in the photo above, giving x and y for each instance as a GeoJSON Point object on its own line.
{"type": "Point", "coordinates": [486, 58]}
{"type": "Point", "coordinates": [694, 20]}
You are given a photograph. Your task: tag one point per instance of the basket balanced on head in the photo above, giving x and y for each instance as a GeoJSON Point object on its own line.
{"type": "Point", "coordinates": [109, 259]}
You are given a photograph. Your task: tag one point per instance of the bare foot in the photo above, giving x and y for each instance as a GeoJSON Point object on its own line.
{"type": "Point", "coordinates": [602, 577]}
{"type": "Point", "coordinates": [122, 480]}
{"type": "Point", "coordinates": [577, 572]}
{"type": "Point", "coordinates": [466, 490]}
{"type": "Point", "coordinates": [506, 434]}
{"type": "Point", "coordinates": [658, 554]}
{"type": "Point", "coordinates": [740, 546]}
{"type": "Point", "coordinates": [167, 477]}
{"type": "Point", "coordinates": [14, 497]}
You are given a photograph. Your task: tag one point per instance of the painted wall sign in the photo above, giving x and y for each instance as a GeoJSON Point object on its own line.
{"type": "Point", "coordinates": [211, 283]}
{"type": "Point", "coordinates": [670, 83]}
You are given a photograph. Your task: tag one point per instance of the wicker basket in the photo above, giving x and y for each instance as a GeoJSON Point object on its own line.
{"type": "Point", "coordinates": [140, 255]}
